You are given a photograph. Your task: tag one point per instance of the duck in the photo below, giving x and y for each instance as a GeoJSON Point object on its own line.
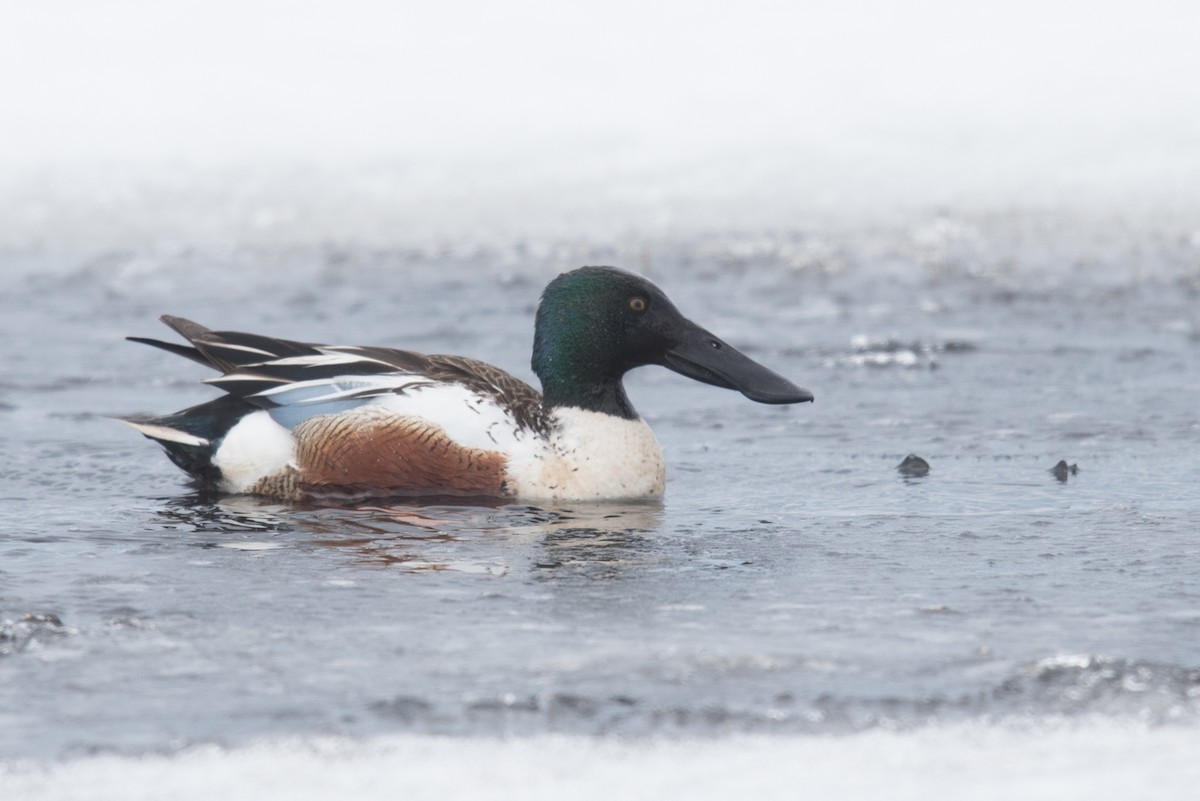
{"type": "Point", "coordinates": [307, 422]}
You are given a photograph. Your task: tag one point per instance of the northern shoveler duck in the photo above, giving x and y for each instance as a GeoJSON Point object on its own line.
{"type": "Point", "coordinates": [301, 421]}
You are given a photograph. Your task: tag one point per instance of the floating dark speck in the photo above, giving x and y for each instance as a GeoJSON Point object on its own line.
{"type": "Point", "coordinates": [1062, 471]}
{"type": "Point", "coordinates": [913, 466]}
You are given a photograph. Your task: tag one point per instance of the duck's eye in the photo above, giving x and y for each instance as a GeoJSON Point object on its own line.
{"type": "Point", "coordinates": [637, 304]}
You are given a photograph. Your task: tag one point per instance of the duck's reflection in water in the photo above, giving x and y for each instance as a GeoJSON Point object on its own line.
{"type": "Point", "coordinates": [480, 537]}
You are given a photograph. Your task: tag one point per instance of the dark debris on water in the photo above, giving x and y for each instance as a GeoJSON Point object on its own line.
{"type": "Point", "coordinates": [913, 466]}
{"type": "Point", "coordinates": [1062, 471]}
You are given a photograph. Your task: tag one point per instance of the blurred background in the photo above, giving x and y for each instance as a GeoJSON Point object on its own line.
{"type": "Point", "coordinates": [131, 123]}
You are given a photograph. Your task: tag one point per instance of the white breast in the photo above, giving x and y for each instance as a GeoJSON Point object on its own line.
{"type": "Point", "coordinates": [592, 456]}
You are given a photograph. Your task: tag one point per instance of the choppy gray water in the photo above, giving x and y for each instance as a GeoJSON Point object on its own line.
{"type": "Point", "coordinates": [792, 581]}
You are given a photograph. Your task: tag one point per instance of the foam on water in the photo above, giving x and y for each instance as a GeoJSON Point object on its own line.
{"type": "Point", "coordinates": [1053, 761]}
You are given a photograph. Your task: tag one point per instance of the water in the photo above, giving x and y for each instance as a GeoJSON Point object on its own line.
{"type": "Point", "coordinates": [794, 598]}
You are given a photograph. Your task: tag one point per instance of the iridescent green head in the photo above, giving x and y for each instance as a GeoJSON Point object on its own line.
{"type": "Point", "coordinates": [595, 324]}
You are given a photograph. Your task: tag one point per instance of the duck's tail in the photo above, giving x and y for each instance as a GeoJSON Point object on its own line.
{"type": "Point", "coordinates": [192, 436]}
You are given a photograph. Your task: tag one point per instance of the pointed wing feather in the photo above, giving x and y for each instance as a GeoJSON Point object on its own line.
{"type": "Point", "coordinates": [171, 347]}
{"type": "Point", "coordinates": [485, 379]}
{"type": "Point", "coordinates": [274, 373]}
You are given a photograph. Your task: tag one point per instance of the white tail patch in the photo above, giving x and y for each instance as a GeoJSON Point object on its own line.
{"type": "Point", "coordinates": [253, 449]}
{"type": "Point", "coordinates": [165, 434]}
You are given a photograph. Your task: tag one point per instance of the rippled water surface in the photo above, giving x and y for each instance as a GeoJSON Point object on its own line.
{"type": "Point", "coordinates": [793, 581]}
